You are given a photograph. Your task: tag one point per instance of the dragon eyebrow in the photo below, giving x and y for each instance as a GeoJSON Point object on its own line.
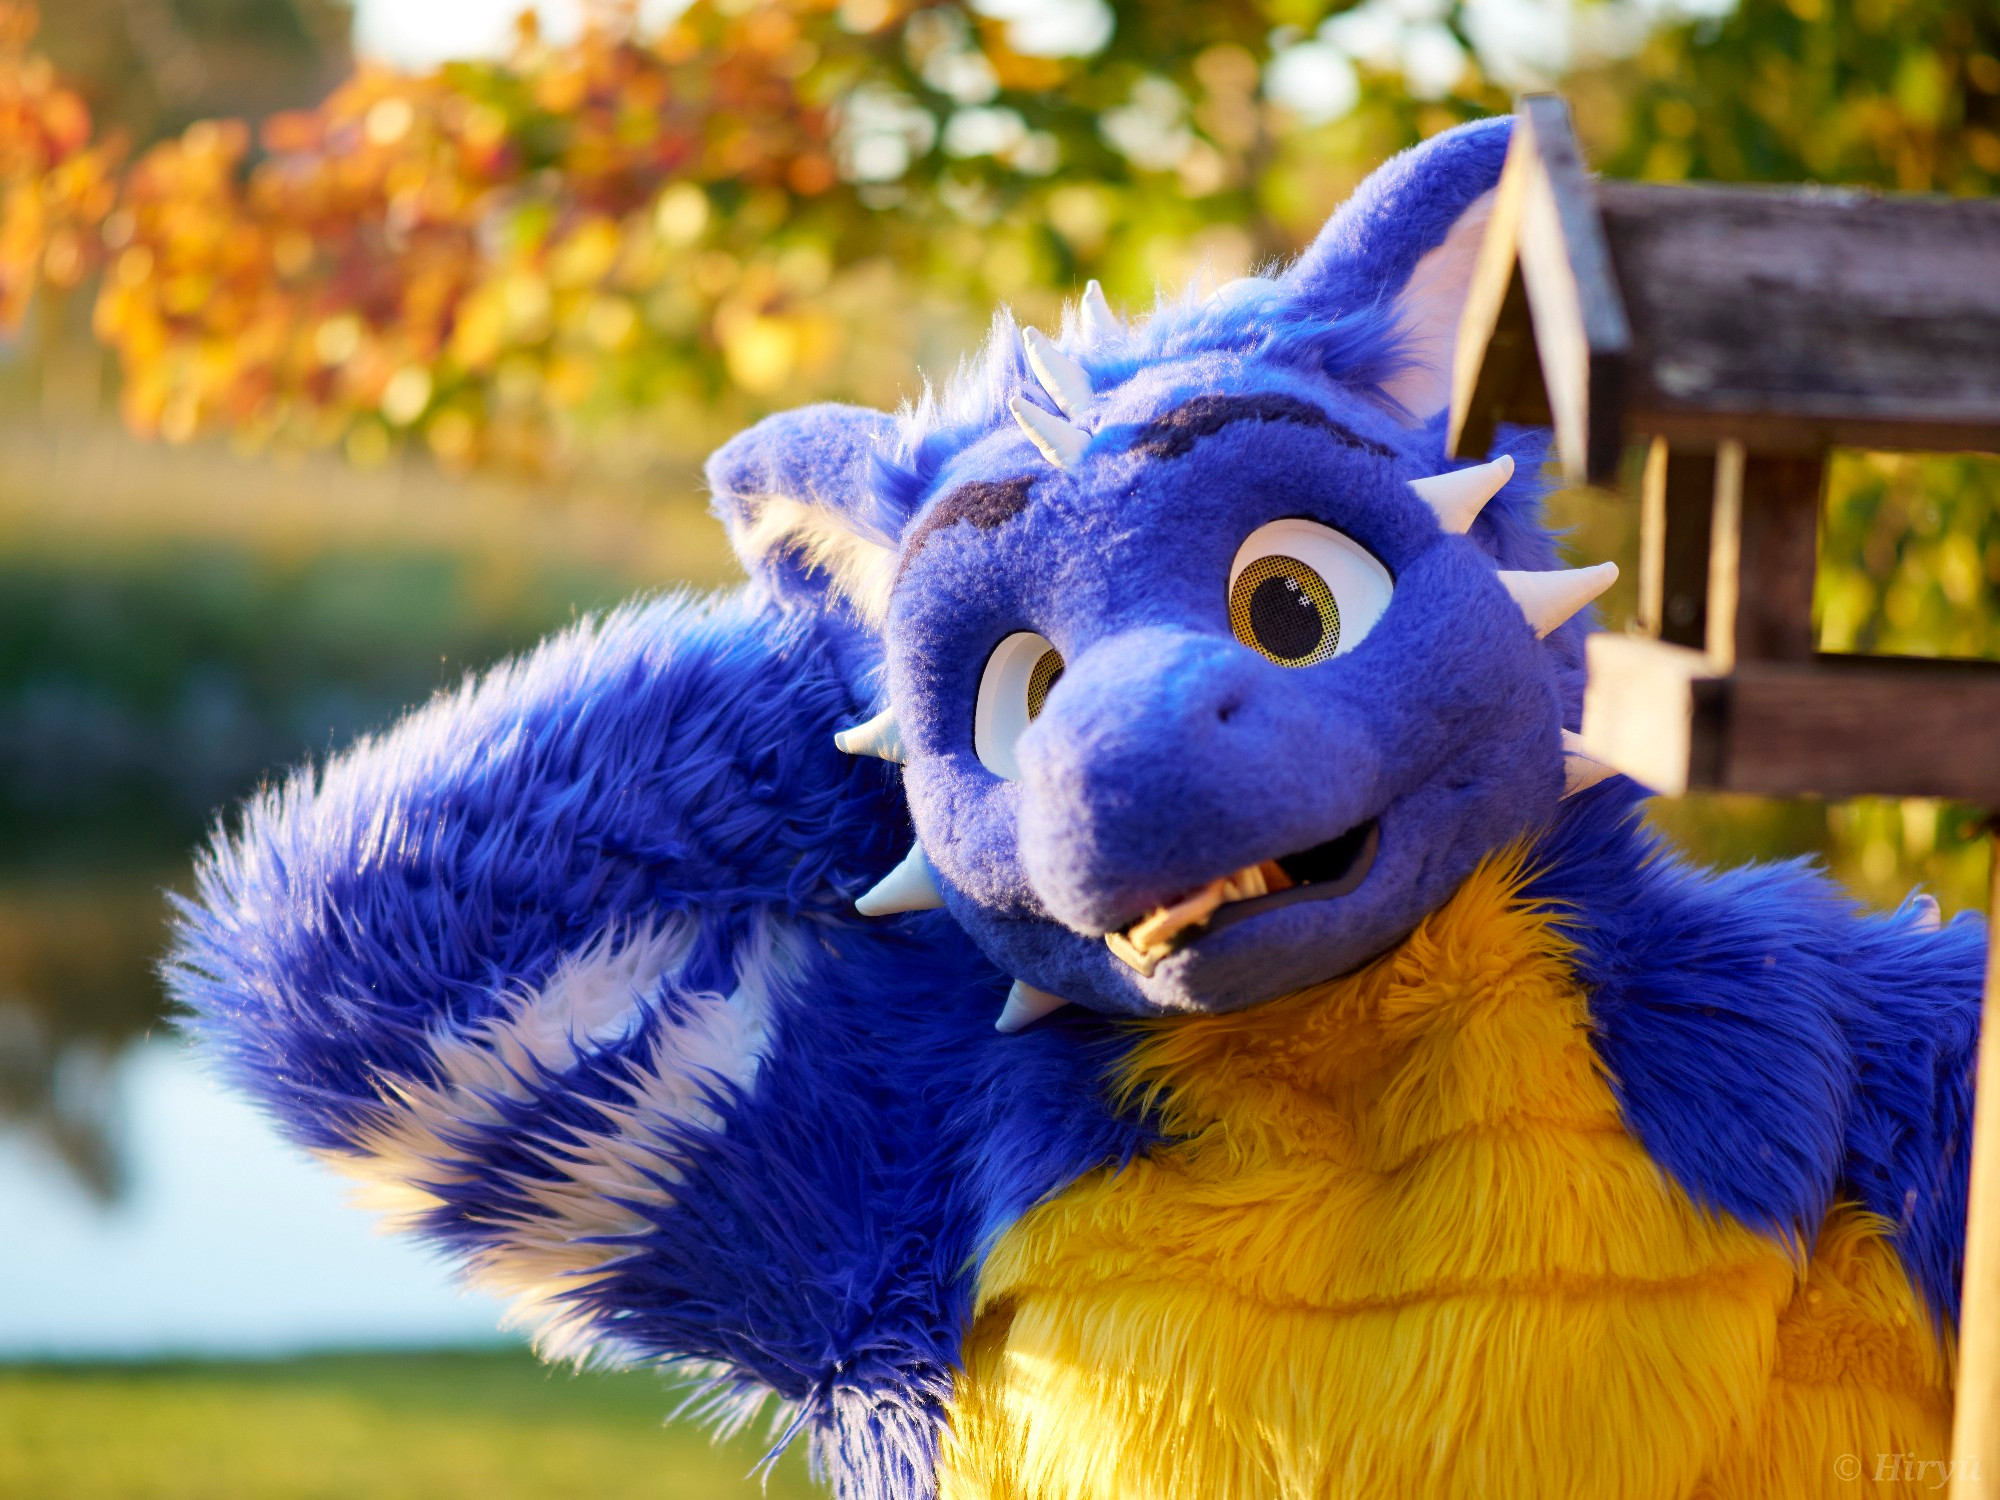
{"type": "Point", "coordinates": [986, 503]}
{"type": "Point", "coordinates": [1173, 434]}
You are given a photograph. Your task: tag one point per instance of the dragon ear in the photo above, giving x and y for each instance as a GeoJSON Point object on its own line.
{"type": "Point", "coordinates": [793, 492]}
{"type": "Point", "coordinates": [1407, 240]}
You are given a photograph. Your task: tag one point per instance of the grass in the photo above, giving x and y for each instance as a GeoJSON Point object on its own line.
{"type": "Point", "coordinates": [475, 1426]}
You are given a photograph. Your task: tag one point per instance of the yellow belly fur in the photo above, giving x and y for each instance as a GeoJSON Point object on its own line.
{"type": "Point", "coordinates": [1403, 1246]}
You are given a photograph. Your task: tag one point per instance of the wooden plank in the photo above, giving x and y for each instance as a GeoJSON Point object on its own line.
{"type": "Point", "coordinates": [1544, 230]}
{"type": "Point", "coordinates": [1763, 552]}
{"type": "Point", "coordinates": [1778, 556]}
{"type": "Point", "coordinates": [1831, 726]}
{"type": "Point", "coordinates": [1503, 381]}
{"type": "Point", "coordinates": [1795, 319]}
{"type": "Point", "coordinates": [1677, 505]}
{"type": "Point", "coordinates": [1638, 708]}
{"type": "Point", "coordinates": [1975, 1437]}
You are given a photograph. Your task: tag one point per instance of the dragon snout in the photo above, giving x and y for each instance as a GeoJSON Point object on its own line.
{"type": "Point", "coordinates": [1170, 762]}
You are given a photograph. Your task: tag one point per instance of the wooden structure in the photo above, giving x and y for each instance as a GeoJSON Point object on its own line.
{"type": "Point", "coordinates": [1741, 333]}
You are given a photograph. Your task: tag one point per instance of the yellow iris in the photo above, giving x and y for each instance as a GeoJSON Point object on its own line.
{"type": "Point", "coordinates": [1282, 609]}
{"type": "Point", "coordinates": [1048, 667]}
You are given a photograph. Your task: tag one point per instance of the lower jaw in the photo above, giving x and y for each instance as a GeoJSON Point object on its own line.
{"type": "Point", "coordinates": [1234, 912]}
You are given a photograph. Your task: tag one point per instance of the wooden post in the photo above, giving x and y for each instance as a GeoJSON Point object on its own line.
{"type": "Point", "coordinates": [1763, 554]}
{"type": "Point", "coordinates": [1677, 508]}
{"type": "Point", "coordinates": [1780, 555]}
{"type": "Point", "coordinates": [1975, 1433]}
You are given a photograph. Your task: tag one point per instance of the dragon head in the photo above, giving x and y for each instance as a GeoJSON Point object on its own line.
{"type": "Point", "coordinates": [1210, 675]}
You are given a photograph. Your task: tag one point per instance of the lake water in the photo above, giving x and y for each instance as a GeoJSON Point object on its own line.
{"type": "Point", "coordinates": [223, 1239]}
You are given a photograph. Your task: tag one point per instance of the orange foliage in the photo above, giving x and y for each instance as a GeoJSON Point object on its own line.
{"type": "Point", "coordinates": [55, 186]}
{"type": "Point", "coordinates": [399, 248]}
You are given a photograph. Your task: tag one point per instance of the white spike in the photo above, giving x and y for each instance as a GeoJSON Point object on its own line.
{"type": "Point", "coordinates": [1581, 770]}
{"type": "Point", "coordinates": [1547, 599]}
{"type": "Point", "coordinates": [1458, 497]}
{"type": "Point", "coordinates": [879, 737]}
{"type": "Point", "coordinates": [1098, 322]}
{"type": "Point", "coordinates": [1927, 917]}
{"type": "Point", "coordinates": [1025, 1006]}
{"type": "Point", "coordinates": [1062, 377]}
{"type": "Point", "coordinates": [1061, 444]}
{"type": "Point", "coordinates": [911, 886]}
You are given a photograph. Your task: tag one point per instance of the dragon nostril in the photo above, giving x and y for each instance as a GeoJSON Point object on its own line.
{"type": "Point", "coordinates": [1226, 709]}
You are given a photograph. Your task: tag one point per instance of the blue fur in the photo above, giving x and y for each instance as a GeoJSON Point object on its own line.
{"type": "Point", "coordinates": [816, 1236]}
{"type": "Point", "coordinates": [821, 1243]}
{"type": "Point", "coordinates": [1772, 1046]}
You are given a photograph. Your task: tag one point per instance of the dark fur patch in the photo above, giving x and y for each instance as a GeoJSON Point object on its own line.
{"type": "Point", "coordinates": [1172, 435]}
{"type": "Point", "coordinates": [986, 503]}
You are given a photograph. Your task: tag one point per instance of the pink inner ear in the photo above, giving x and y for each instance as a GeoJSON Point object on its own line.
{"type": "Point", "coordinates": [1428, 311]}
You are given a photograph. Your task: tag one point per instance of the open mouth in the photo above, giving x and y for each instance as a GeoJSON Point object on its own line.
{"type": "Point", "coordinates": [1330, 869]}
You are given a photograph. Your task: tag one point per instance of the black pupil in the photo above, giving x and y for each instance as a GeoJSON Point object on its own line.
{"type": "Point", "coordinates": [1286, 622]}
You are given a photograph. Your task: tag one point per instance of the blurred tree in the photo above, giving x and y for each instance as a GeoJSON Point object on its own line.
{"type": "Point", "coordinates": [642, 240]}
{"type": "Point", "coordinates": [149, 68]}
{"type": "Point", "coordinates": [55, 185]}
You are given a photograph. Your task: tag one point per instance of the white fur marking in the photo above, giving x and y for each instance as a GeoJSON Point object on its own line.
{"type": "Point", "coordinates": [861, 570]}
{"type": "Point", "coordinates": [597, 997]}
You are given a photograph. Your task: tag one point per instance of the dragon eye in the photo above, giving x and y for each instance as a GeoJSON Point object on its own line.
{"type": "Point", "coordinates": [1012, 690]}
{"type": "Point", "coordinates": [1300, 592]}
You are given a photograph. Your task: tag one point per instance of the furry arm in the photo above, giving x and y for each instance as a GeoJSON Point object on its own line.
{"type": "Point", "coordinates": [564, 970]}
{"type": "Point", "coordinates": [1773, 1047]}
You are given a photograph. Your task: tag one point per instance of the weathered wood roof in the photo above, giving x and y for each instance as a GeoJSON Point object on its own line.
{"type": "Point", "coordinates": [1790, 319]}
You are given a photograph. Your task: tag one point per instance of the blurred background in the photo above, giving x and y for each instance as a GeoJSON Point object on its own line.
{"type": "Point", "coordinates": [347, 347]}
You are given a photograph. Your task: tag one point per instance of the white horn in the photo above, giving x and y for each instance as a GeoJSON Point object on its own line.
{"type": "Point", "coordinates": [1062, 377]}
{"type": "Point", "coordinates": [1581, 770]}
{"type": "Point", "coordinates": [1547, 599]}
{"type": "Point", "coordinates": [911, 886]}
{"type": "Point", "coordinates": [1061, 444]}
{"type": "Point", "coordinates": [1025, 1006]}
{"type": "Point", "coordinates": [1098, 322]}
{"type": "Point", "coordinates": [1458, 497]}
{"type": "Point", "coordinates": [1925, 913]}
{"type": "Point", "coordinates": [879, 737]}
